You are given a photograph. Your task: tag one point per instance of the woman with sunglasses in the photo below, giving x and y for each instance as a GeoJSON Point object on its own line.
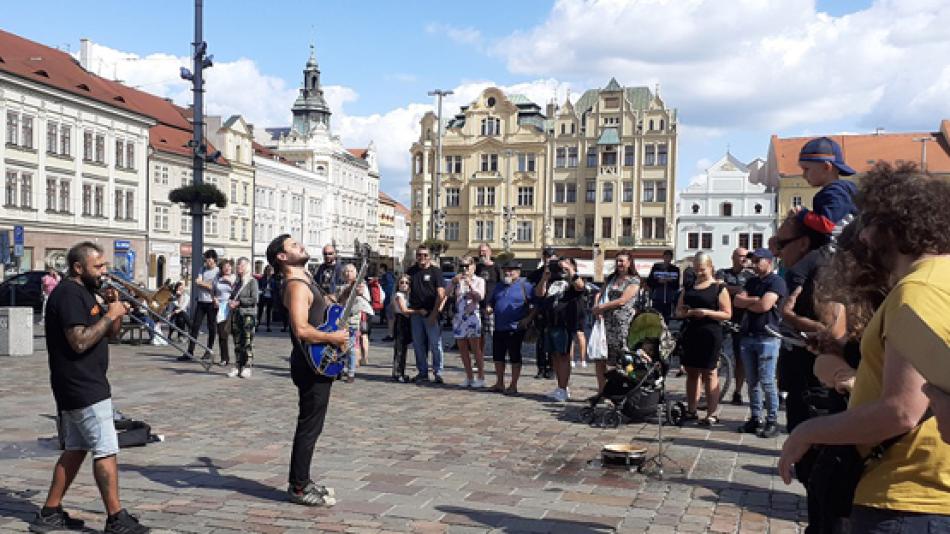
{"type": "Point", "coordinates": [469, 291]}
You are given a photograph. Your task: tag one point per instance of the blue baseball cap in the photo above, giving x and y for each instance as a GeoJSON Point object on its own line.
{"type": "Point", "coordinates": [825, 149]}
{"type": "Point", "coordinates": [762, 254]}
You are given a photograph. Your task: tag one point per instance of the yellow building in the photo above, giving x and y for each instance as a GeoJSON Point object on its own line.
{"type": "Point", "coordinates": [592, 176]}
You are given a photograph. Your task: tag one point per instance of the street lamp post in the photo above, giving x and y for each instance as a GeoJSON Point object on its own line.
{"type": "Point", "coordinates": [437, 216]}
{"type": "Point", "coordinates": [508, 211]}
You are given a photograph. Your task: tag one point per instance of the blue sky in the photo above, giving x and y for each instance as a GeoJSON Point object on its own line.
{"type": "Point", "coordinates": [737, 70]}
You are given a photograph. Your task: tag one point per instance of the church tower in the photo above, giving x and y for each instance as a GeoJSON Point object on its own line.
{"type": "Point", "coordinates": [310, 110]}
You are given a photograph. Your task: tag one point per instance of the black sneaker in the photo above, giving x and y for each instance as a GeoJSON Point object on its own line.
{"type": "Point", "coordinates": [540, 374]}
{"type": "Point", "coordinates": [311, 495]}
{"type": "Point", "coordinates": [438, 379]}
{"type": "Point", "coordinates": [770, 430]}
{"type": "Point", "coordinates": [548, 373]}
{"type": "Point", "coordinates": [420, 379]}
{"type": "Point", "coordinates": [58, 520]}
{"type": "Point", "coordinates": [388, 338]}
{"type": "Point", "coordinates": [184, 358]}
{"type": "Point", "coordinates": [737, 398]}
{"type": "Point", "coordinates": [750, 427]}
{"type": "Point", "coordinates": [124, 523]}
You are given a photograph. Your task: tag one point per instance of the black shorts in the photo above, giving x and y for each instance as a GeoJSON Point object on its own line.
{"type": "Point", "coordinates": [507, 343]}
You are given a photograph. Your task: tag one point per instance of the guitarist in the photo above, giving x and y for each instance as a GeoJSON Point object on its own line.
{"type": "Point", "coordinates": [306, 307]}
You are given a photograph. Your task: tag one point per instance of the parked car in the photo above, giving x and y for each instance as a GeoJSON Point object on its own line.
{"type": "Point", "coordinates": [24, 289]}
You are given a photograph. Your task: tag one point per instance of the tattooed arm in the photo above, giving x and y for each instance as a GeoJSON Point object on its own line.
{"type": "Point", "coordinates": [82, 338]}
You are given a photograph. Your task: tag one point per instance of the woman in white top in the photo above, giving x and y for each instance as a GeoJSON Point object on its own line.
{"type": "Point", "coordinates": [402, 330]}
{"type": "Point", "coordinates": [469, 291]}
{"type": "Point", "coordinates": [361, 304]}
{"type": "Point", "coordinates": [221, 289]}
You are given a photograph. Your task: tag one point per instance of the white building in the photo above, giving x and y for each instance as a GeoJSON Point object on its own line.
{"type": "Point", "coordinates": [402, 221]}
{"type": "Point", "coordinates": [73, 158]}
{"type": "Point", "coordinates": [724, 210]}
{"type": "Point", "coordinates": [288, 199]}
{"type": "Point", "coordinates": [352, 201]}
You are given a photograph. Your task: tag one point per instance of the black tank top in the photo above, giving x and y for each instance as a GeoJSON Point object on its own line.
{"type": "Point", "coordinates": [315, 317]}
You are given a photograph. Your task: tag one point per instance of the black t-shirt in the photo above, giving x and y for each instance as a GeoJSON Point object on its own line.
{"type": "Point", "coordinates": [491, 274]}
{"type": "Point", "coordinates": [324, 278]}
{"type": "Point", "coordinates": [803, 275]}
{"type": "Point", "coordinates": [664, 293]}
{"type": "Point", "coordinates": [78, 379]}
{"type": "Point", "coordinates": [562, 304]}
{"type": "Point", "coordinates": [755, 323]}
{"type": "Point", "coordinates": [734, 279]}
{"type": "Point", "coordinates": [423, 286]}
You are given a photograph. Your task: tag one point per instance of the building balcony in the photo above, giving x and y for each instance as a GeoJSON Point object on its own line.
{"type": "Point", "coordinates": [486, 175]}
{"type": "Point", "coordinates": [608, 170]}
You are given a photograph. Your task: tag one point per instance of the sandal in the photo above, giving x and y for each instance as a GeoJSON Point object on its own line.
{"type": "Point", "coordinates": [709, 420]}
{"type": "Point", "coordinates": [690, 416]}
{"type": "Point", "coordinates": [511, 392]}
{"type": "Point", "coordinates": [497, 388]}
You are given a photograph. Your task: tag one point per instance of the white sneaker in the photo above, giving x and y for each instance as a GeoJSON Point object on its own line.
{"type": "Point", "coordinates": [467, 383]}
{"type": "Point", "coordinates": [560, 395]}
{"type": "Point", "coordinates": [554, 394]}
{"type": "Point", "coordinates": [573, 364]}
{"type": "Point", "coordinates": [567, 393]}
{"type": "Point", "coordinates": [233, 373]}
{"type": "Point", "coordinates": [478, 383]}
{"type": "Point", "coordinates": [584, 364]}
{"type": "Point", "coordinates": [245, 373]}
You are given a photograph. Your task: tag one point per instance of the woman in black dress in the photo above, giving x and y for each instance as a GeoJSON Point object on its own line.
{"type": "Point", "coordinates": [705, 306]}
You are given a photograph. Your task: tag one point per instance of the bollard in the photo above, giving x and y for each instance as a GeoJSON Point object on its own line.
{"type": "Point", "coordinates": [16, 331]}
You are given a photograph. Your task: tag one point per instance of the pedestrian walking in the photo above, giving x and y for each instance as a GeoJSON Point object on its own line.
{"type": "Point", "coordinates": [204, 308]}
{"type": "Point", "coordinates": [243, 304]}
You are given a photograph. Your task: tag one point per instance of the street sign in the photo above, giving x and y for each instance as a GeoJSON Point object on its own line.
{"type": "Point", "coordinates": [18, 235]}
{"type": "Point", "coordinates": [18, 250]}
{"type": "Point", "coordinates": [121, 244]}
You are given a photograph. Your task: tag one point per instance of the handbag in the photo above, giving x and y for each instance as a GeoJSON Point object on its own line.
{"type": "Point", "coordinates": [597, 345]}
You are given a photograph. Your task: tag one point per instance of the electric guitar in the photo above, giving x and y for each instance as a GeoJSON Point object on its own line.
{"type": "Point", "coordinates": [328, 359]}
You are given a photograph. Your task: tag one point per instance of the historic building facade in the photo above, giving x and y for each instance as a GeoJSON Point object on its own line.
{"type": "Point", "coordinates": [590, 178]}
{"type": "Point", "coordinates": [724, 210]}
{"type": "Point", "coordinates": [352, 174]}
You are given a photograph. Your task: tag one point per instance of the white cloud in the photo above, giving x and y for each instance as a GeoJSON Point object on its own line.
{"type": "Point", "coordinates": [465, 36]}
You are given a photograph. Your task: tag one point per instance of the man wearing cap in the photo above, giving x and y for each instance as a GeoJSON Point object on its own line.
{"type": "Point", "coordinates": [510, 303]}
{"type": "Point", "coordinates": [761, 299]}
{"type": "Point", "coordinates": [542, 358]}
{"type": "Point", "coordinates": [822, 164]}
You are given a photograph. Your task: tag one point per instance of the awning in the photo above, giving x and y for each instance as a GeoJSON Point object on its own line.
{"type": "Point", "coordinates": [609, 137]}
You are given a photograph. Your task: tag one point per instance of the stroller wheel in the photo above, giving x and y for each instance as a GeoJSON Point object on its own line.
{"type": "Point", "coordinates": [675, 412]}
{"type": "Point", "coordinates": [586, 415]}
{"type": "Point", "coordinates": [611, 419]}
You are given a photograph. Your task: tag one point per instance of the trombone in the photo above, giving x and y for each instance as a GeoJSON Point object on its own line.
{"type": "Point", "coordinates": [152, 302]}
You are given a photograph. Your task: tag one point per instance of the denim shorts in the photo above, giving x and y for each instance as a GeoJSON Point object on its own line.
{"type": "Point", "coordinates": [90, 429]}
{"type": "Point", "coordinates": [556, 340]}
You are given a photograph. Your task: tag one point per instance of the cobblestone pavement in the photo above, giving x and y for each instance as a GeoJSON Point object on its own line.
{"type": "Point", "coordinates": [402, 458]}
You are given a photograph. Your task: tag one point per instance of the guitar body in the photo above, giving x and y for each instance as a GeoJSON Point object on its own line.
{"type": "Point", "coordinates": [327, 359]}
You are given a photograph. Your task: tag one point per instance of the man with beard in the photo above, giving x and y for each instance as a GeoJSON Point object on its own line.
{"type": "Point", "coordinates": [76, 331]}
{"type": "Point", "coordinates": [329, 275]}
{"type": "Point", "coordinates": [306, 307]}
{"type": "Point", "coordinates": [735, 279]}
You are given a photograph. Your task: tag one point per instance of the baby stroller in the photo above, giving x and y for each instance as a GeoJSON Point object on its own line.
{"type": "Point", "coordinates": [637, 386]}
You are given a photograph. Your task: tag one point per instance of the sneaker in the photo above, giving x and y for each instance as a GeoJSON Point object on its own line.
{"type": "Point", "coordinates": [58, 520]}
{"type": "Point", "coordinates": [420, 378]}
{"type": "Point", "coordinates": [466, 383]}
{"type": "Point", "coordinates": [438, 379]}
{"type": "Point", "coordinates": [245, 373]}
{"type": "Point", "coordinates": [750, 427]}
{"type": "Point", "coordinates": [233, 373]}
{"type": "Point", "coordinates": [584, 364]}
{"type": "Point", "coordinates": [124, 523]}
{"type": "Point", "coordinates": [311, 495]}
{"type": "Point", "coordinates": [184, 358]}
{"type": "Point", "coordinates": [737, 398]}
{"type": "Point", "coordinates": [540, 374]}
{"type": "Point", "coordinates": [770, 430]}
{"type": "Point", "coordinates": [781, 400]}
{"type": "Point", "coordinates": [567, 393]}
{"type": "Point", "coordinates": [478, 383]}
{"type": "Point", "coordinates": [548, 373]}
{"type": "Point", "coordinates": [573, 364]}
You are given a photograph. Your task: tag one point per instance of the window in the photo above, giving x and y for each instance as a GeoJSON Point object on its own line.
{"type": "Point", "coordinates": [417, 164]}
{"type": "Point", "coordinates": [119, 202]}
{"type": "Point", "coordinates": [692, 241]}
{"type": "Point", "coordinates": [453, 164]}
{"type": "Point", "coordinates": [211, 224]}
{"type": "Point", "coordinates": [119, 153]}
{"type": "Point", "coordinates": [13, 127]}
{"type": "Point", "coordinates": [694, 209]}
{"type": "Point", "coordinates": [161, 218]}
{"type": "Point", "coordinates": [626, 224]}
{"type": "Point", "coordinates": [186, 221]}
{"type": "Point", "coordinates": [565, 227]}
{"type": "Point", "coordinates": [589, 226]}
{"type": "Point", "coordinates": [100, 148]}
{"type": "Point", "coordinates": [246, 197]}
{"type": "Point", "coordinates": [560, 158]}
{"type": "Point", "coordinates": [590, 195]}
{"type": "Point", "coordinates": [11, 189]}
{"type": "Point", "coordinates": [572, 157]}
{"type": "Point", "coordinates": [65, 140]}
{"type": "Point", "coordinates": [628, 191]}
{"type": "Point", "coordinates": [608, 192]}
{"type": "Point", "coordinates": [233, 229]}
{"type": "Point", "coordinates": [609, 156]}
{"type": "Point", "coordinates": [796, 201]}
{"type": "Point", "coordinates": [526, 196]}
{"type": "Point", "coordinates": [65, 205]}
{"type": "Point", "coordinates": [130, 205]}
{"type": "Point", "coordinates": [489, 163]}
{"type": "Point", "coordinates": [606, 227]}
{"type": "Point", "coordinates": [661, 154]}
{"type": "Point", "coordinates": [592, 156]}
{"type": "Point", "coordinates": [725, 239]}
{"type": "Point", "coordinates": [628, 156]}
{"type": "Point", "coordinates": [526, 162]}
{"type": "Point", "coordinates": [757, 241]}
{"type": "Point", "coordinates": [51, 188]}
{"type": "Point", "coordinates": [485, 230]}
{"type": "Point", "coordinates": [559, 193]}
{"type": "Point", "coordinates": [485, 196]}
{"type": "Point", "coordinates": [491, 126]}
{"type": "Point", "coordinates": [26, 140]}
{"type": "Point", "coordinates": [758, 209]}
{"type": "Point", "coordinates": [725, 209]}
{"type": "Point", "coordinates": [653, 228]}
{"type": "Point", "coordinates": [707, 240]}
{"type": "Point", "coordinates": [87, 199]}
{"type": "Point", "coordinates": [417, 195]}
{"type": "Point", "coordinates": [160, 174]}
{"type": "Point", "coordinates": [524, 231]}
{"type": "Point", "coordinates": [652, 124]}
{"type": "Point", "coordinates": [452, 231]}
{"type": "Point", "coordinates": [26, 190]}
{"type": "Point", "coordinates": [234, 191]}
{"type": "Point", "coordinates": [650, 158]}
{"type": "Point", "coordinates": [130, 156]}
{"type": "Point", "coordinates": [571, 193]}
{"type": "Point", "coordinates": [52, 134]}
{"type": "Point", "coordinates": [98, 201]}
{"type": "Point", "coordinates": [87, 153]}
{"type": "Point", "coordinates": [612, 102]}
{"type": "Point", "coordinates": [452, 197]}
{"type": "Point", "coordinates": [654, 191]}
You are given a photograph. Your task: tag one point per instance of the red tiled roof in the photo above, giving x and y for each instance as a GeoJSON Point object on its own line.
{"type": "Point", "coordinates": [265, 152]}
{"type": "Point", "coordinates": [403, 210]}
{"type": "Point", "coordinates": [358, 152]}
{"type": "Point", "coordinates": [861, 152]}
{"type": "Point", "coordinates": [383, 197]}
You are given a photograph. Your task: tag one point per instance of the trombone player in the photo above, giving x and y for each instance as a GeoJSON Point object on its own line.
{"type": "Point", "coordinates": [77, 326]}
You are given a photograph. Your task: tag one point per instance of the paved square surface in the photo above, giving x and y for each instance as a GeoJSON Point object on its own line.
{"type": "Point", "coordinates": [402, 458]}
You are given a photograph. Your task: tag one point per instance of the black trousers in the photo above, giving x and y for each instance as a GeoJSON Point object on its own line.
{"type": "Point", "coordinates": [313, 393]}
{"type": "Point", "coordinates": [542, 358]}
{"type": "Point", "coordinates": [401, 342]}
{"type": "Point", "coordinates": [262, 315]}
{"type": "Point", "coordinates": [207, 312]}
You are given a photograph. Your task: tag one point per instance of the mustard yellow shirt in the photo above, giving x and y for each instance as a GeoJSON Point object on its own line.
{"type": "Point", "coordinates": [914, 474]}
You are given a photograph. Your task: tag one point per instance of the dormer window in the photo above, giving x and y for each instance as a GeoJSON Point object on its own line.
{"type": "Point", "coordinates": [490, 101]}
{"type": "Point", "coordinates": [694, 208]}
{"type": "Point", "coordinates": [758, 209]}
{"type": "Point", "coordinates": [725, 209]}
{"type": "Point", "coordinates": [491, 126]}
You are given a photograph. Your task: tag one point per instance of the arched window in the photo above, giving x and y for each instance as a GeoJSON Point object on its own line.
{"type": "Point", "coordinates": [725, 209]}
{"type": "Point", "coordinates": [662, 123]}
{"type": "Point", "coordinates": [651, 125]}
{"type": "Point", "coordinates": [695, 208]}
{"type": "Point", "coordinates": [758, 209]}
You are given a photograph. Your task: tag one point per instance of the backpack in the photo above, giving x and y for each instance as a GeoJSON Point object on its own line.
{"type": "Point", "coordinates": [375, 294]}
